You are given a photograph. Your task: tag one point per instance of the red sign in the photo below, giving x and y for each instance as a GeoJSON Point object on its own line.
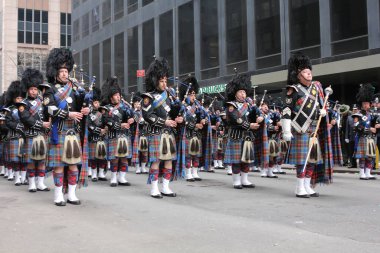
{"type": "Point", "coordinates": [140, 73]}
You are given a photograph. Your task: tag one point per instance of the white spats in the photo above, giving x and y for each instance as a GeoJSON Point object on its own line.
{"type": "Point", "coordinates": [300, 189]}
{"type": "Point", "coordinates": [41, 184]}
{"type": "Point", "coordinates": [32, 184]}
{"type": "Point", "coordinates": [58, 196]}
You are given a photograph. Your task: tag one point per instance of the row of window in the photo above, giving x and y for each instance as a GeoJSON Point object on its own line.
{"type": "Point", "coordinates": [105, 18]}
{"type": "Point", "coordinates": [349, 32]}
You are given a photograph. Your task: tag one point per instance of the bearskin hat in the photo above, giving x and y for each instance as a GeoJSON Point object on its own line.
{"type": "Point", "coordinates": [32, 78]}
{"type": "Point", "coordinates": [96, 94]}
{"type": "Point", "coordinates": [296, 63]}
{"type": "Point", "coordinates": [16, 89]}
{"type": "Point", "coordinates": [238, 82]}
{"type": "Point", "coordinates": [110, 88]}
{"type": "Point", "coordinates": [58, 58]}
{"type": "Point", "coordinates": [365, 93]}
{"type": "Point", "coordinates": [136, 97]}
{"type": "Point", "coordinates": [3, 100]}
{"type": "Point", "coordinates": [218, 105]}
{"type": "Point", "coordinates": [158, 69]}
{"type": "Point", "coordinates": [189, 82]}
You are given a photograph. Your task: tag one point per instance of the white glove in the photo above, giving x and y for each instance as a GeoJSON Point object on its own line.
{"type": "Point", "coordinates": [287, 129]}
{"type": "Point", "coordinates": [322, 112]}
{"type": "Point", "coordinates": [347, 140]}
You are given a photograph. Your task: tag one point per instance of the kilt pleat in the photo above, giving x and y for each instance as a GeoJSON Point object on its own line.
{"type": "Point", "coordinates": [233, 151]}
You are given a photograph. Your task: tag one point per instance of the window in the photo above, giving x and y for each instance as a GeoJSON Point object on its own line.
{"type": "Point", "coordinates": [119, 58]}
{"type": "Point", "coordinates": [96, 63]}
{"type": "Point", "coordinates": [106, 14]}
{"type": "Point", "coordinates": [65, 29]}
{"type": "Point", "coordinates": [304, 16]}
{"type": "Point", "coordinates": [133, 60]}
{"type": "Point", "coordinates": [76, 30]}
{"type": "Point", "coordinates": [85, 62]}
{"type": "Point", "coordinates": [209, 39]}
{"type": "Point", "coordinates": [118, 9]}
{"type": "Point", "coordinates": [30, 29]}
{"type": "Point", "coordinates": [132, 6]}
{"type": "Point", "coordinates": [148, 42]}
{"type": "Point", "coordinates": [166, 36]}
{"type": "Point", "coordinates": [146, 2]}
{"type": "Point", "coordinates": [85, 25]}
{"type": "Point", "coordinates": [95, 19]}
{"type": "Point", "coordinates": [106, 59]}
{"type": "Point", "coordinates": [268, 43]}
{"type": "Point", "coordinates": [349, 31]}
{"type": "Point", "coordinates": [236, 34]}
{"type": "Point", "coordinates": [186, 38]}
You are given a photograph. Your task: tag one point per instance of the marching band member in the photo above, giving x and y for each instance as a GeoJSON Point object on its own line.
{"type": "Point", "coordinates": [36, 125]}
{"type": "Point", "coordinates": [155, 111]}
{"type": "Point", "coordinates": [64, 106]}
{"type": "Point", "coordinates": [303, 105]}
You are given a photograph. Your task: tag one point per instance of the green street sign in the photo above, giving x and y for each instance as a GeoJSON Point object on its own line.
{"type": "Point", "coordinates": [213, 89]}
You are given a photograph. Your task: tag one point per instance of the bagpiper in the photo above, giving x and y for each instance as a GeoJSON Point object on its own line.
{"type": "Point", "coordinates": [3, 137]}
{"type": "Point", "coordinates": [119, 119]}
{"type": "Point", "coordinates": [97, 155]}
{"type": "Point", "coordinates": [365, 127]}
{"type": "Point", "coordinates": [240, 147]}
{"type": "Point", "coordinates": [36, 125]}
{"type": "Point", "coordinates": [15, 94]}
{"type": "Point", "coordinates": [63, 106]}
{"type": "Point", "coordinates": [302, 108]}
{"type": "Point", "coordinates": [155, 109]}
{"type": "Point", "coordinates": [140, 140]}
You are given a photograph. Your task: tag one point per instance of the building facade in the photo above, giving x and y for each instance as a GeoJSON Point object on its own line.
{"type": "Point", "coordinates": [29, 30]}
{"type": "Point", "coordinates": [210, 38]}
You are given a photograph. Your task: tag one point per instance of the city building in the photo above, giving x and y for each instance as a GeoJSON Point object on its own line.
{"type": "Point", "coordinates": [29, 30]}
{"type": "Point", "coordinates": [210, 38]}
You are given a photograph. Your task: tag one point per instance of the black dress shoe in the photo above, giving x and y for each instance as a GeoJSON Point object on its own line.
{"type": "Point", "coordinates": [211, 171]}
{"type": "Point", "coordinates": [372, 178]}
{"type": "Point", "coordinates": [272, 176]}
{"type": "Point", "coordinates": [197, 179]}
{"type": "Point", "coordinates": [33, 190]}
{"type": "Point", "coordinates": [238, 186]}
{"type": "Point", "coordinates": [17, 184]}
{"type": "Point", "coordinates": [306, 196]}
{"type": "Point", "coordinates": [145, 173]}
{"type": "Point", "coordinates": [94, 180]}
{"type": "Point", "coordinates": [315, 194]}
{"type": "Point", "coordinates": [113, 184]}
{"type": "Point", "coordinates": [363, 178]}
{"type": "Point", "coordinates": [169, 194]}
{"type": "Point", "coordinates": [62, 203]}
{"type": "Point", "coordinates": [25, 182]}
{"type": "Point", "coordinates": [352, 167]}
{"type": "Point", "coordinates": [2, 174]}
{"type": "Point", "coordinates": [138, 173]}
{"type": "Point", "coordinates": [125, 184]}
{"type": "Point", "coordinates": [190, 180]}
{"type": "Point", "coordinates": [102, 178]}
{"type": "Point", "coordinates": [75, 202]}
{"type": "Point", "coordinates": [158, 196]}
{"type": "Point", "coordinates": [281, 173]}
{"type": "Point", "coordinates": [47, 189]}
{"type": "Point", "coordinates": [248, 185]}
{"type": "Point", "coordinates": [229, 174]}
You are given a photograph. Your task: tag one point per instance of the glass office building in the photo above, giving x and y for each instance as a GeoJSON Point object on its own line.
{"type": "Point", "coordinates": [212, 38]}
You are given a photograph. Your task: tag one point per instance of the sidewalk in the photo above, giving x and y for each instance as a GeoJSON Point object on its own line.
{"type": "Point", "coordinates": [338, 169]}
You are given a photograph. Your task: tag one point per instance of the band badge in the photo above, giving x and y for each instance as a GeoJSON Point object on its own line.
{"type": "Point", "coordinates": [34, 102]}
{"type": "Point", "coordinates": [46, 101]}
{"type": "Point", "coordinates": [93, 117]}
{"type": "Point", "coordinates": [69, 100]}
{"type": "Point", "coordinates": [239, 121]}
{"type": "Point", "coordinates": [288, 100]}
{"type": "Point", "coordinates": [116, 112]}
{"type": "Point", "coordinates": [313, 92]}
{"type": "Point", "coordinates": [146, 101]}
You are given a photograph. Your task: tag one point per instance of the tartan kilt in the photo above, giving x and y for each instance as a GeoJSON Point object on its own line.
{"type": "Point", "coordinates": [28, 149]}
{"type": "Point", "coordinates": [187, 141]}
{"type": "Point", "coordinates": [6, 152]}
{"type": "Point", "coordinates": [112, 145]}
{"type": "Point", "coordinates": [13, 151]}
{"type": "Point", "coordinates": [91, 150]}
{"type": "Point", "coordinates": [300, 146]}
{"type": "Point", "coordinates": [154, 148]}
{"type": "Point", "coordinates": [361, 148]}
{"type": "Point", "coordinates": [2, 153]}
{"type": "Point", "coordinates": [56, 150]}
{"type": "Point", "coordinates": [233, 151]}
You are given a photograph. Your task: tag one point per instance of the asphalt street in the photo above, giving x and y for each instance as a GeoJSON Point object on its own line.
{"type": "Point", "coordinates": [206, 216]}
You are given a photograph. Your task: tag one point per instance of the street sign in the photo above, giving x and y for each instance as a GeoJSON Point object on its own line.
{"type": "Point", "coordinates": [140, 73]}
{"type": "Point", "coordinates": [213, 89]}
